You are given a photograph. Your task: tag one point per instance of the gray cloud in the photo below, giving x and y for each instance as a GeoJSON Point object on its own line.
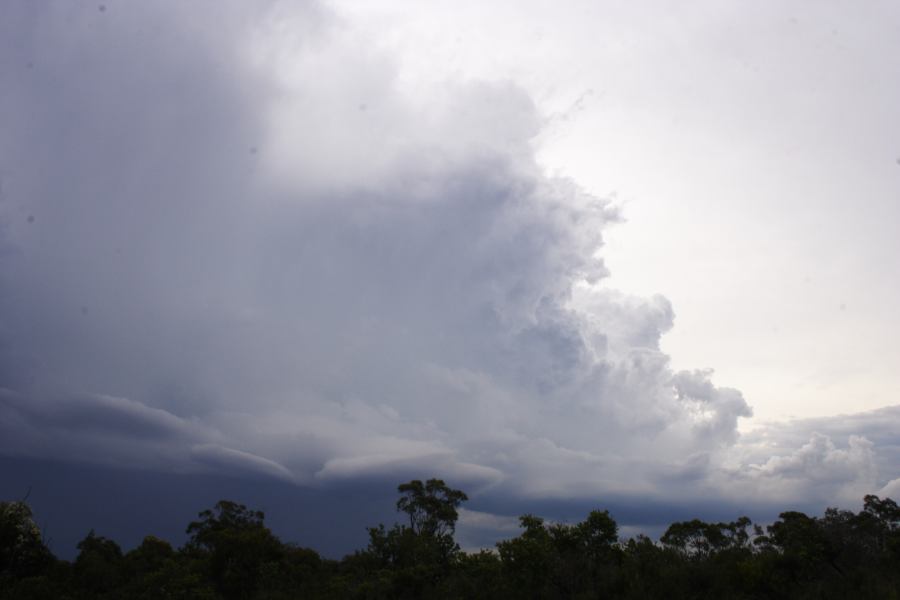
{"type": "Point", "coordinates": [102, 415]}
{"type": "Point", "coordinates": [237, 462]}
{"type": "Point", "coordinates": [256, 251]}
{"type": "Point", "coordinates": [824, 460]}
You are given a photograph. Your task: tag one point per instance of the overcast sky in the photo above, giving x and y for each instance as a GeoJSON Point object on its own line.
{"type": "Point", "coordinates": [561, 255]}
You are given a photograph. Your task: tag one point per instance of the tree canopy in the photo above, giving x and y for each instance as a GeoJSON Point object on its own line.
{"type": "Point", "coordinates": [230, 553]}
{"type": "Point", "coordinates": [431, 506]}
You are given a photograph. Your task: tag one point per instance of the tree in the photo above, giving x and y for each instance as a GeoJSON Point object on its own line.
{"type": "Point", "coordinates": [431, 506]}
{"type": "Point", "coordinates": [237, 544]}
{"type": "Point", "coordinates": [529, 560]}
{"type": "Point", "coordinates": [883, 518]}
{"type": "Point", "coordinates": [22, 549]}
{"type": "Point", "coordinates": [98, 566]}
{"type": "Point", "coordinates": [560, 560]}
{"type": "Point", "coordinates": [226, 516]}
{"type": "Point", "coordinates": [413, 561]}
{"type": "Point", "coordinates": [699, 539]}
{"type": "Point", "coordinates": [154, 570]}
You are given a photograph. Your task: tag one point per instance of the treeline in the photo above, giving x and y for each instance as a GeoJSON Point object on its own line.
{"type": "Point", "coordinates": [231, 554]}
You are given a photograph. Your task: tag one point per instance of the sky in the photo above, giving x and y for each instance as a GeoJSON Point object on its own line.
{"type": "Point", "coordinates": [563, 255]}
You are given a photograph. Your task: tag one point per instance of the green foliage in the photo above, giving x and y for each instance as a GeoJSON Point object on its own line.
{"type": "Point", "coordinates": [235, 546]}
{"type": "Point", "coordinates": [416, 560]}
{"type": "Point", "coordinates": [231, 554]}
{"type": "Point", "coordinates": [701, 540]}
{"type": "Point", "coordinates": [22, 549]}
{"type": "Point", "coordinates": [156, 570]}
{"type": "Point", "coordinates": [98, 566]}
{"type": "Point", "coordinates": [431, 506]}
{"type": "Point", "coordinates": [562, 561]}
{"type": "Point", "coordinates": [27, 568]}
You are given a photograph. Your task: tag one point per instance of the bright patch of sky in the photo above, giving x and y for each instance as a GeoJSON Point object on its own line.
{"type": "Point", "coordinates": [754, 151]}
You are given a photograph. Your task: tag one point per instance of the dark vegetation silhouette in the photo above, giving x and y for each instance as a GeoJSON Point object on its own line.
{"type": "Point", "coordinates": [231, 554]}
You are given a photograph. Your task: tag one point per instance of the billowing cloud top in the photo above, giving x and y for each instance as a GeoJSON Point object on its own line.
{"type": "Point", "coordinates": [244, 243]}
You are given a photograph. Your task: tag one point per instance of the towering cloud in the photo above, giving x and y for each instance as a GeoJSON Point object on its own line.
{"type": "Point", "coordinates": [244, 243]}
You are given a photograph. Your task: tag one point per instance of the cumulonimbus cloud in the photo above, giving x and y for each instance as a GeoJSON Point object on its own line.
{"type": "Point", "coordinates": [254, 248]}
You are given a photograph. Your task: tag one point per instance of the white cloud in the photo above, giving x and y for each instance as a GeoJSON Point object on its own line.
{"type": "Point", "coordinates": [890, 490]}
{"type": "Point", "coordinates": [819, 470]}
{"type": "Point", "coordinates": [819, 459]}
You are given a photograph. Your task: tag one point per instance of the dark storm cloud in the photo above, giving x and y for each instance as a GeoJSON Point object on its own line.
{"type": "Point", "coordinates": [99, 414]}
{"type": "Point", "coordinates": [232, 268]}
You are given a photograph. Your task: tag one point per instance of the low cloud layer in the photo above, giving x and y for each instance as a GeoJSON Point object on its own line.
{"type": "Point", "coordinates": [251, 247]}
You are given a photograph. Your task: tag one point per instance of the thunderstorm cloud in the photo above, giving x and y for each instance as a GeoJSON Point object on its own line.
{"type": "Point", "coordinates": [244, 244]}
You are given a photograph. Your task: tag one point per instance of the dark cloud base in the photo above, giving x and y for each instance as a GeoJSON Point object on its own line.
{"type": "Point", "coordinates": [126, 505]}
